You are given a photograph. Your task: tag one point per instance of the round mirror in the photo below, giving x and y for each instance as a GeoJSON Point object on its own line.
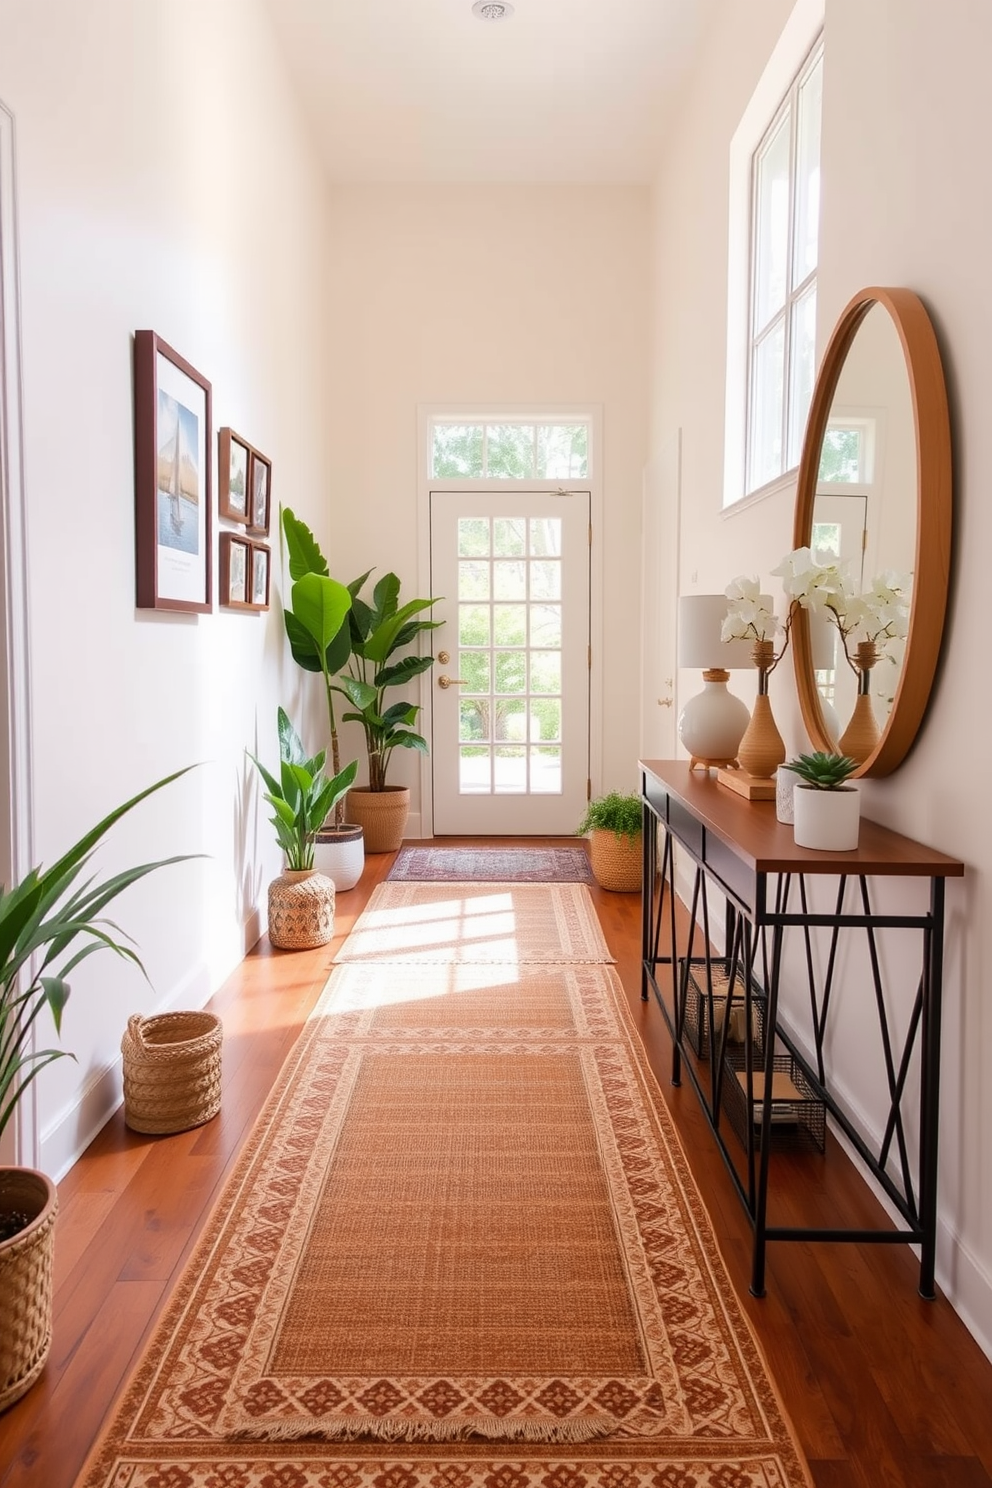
{"type": "Point", "coordinates": [874, 494]}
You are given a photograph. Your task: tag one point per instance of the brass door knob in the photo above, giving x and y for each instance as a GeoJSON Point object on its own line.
{"type": "Point", "coordinates": [446, 682]}
{"type": "Point", "coordinates": [443, 658]}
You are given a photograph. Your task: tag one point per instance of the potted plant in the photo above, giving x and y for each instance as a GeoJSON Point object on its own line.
{"type": "Point", "coordinates": [301, 900]}
{"type": "Point", "coordinates": [826, 809]}
{"type": "Point", "coordinates": [316, 620]}
{"type": "Point", "coordinates": [43, 919]}
{"type": "Point", "coordinates": [379, 633]}
{"type": "Point", "coordinates": [613, 825]}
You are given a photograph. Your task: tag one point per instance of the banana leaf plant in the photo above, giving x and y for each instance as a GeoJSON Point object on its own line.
{"type": "Point", "coordinates": [302, 797]}
{"type": "Point", "coordinates": [356, 661]}
{"type": "Point", "coordinates": [378, 632]}
{"type": "Point", "coordinates": [41, 918]}
{"type": "Point", "coordinates": [316, 620]}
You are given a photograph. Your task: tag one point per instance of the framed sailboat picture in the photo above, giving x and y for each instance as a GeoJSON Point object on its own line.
{"type": "Point", "coordinates": [172, 449]}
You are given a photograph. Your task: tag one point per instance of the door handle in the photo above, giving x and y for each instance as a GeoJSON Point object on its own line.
{"type": "Point", "coordinates": [446, 682]}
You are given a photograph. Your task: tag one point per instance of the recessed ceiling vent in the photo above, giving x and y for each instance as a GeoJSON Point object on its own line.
{"type": "Point", "coordinates": [492, 10]}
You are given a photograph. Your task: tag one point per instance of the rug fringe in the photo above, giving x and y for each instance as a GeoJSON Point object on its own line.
{"type": "Point", "coordinates": [395, 1429]}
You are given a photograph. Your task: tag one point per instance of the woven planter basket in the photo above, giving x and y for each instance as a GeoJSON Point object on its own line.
{"type": "Point", "coordinates": [172, 1071]}
{"type": "Point", "coordinates": [382, 814]}
{"type": "Point", "coordinates": [616, 861]}
{"type": "Point", "coordinates": [25, 1281]}
{"type": "Point", "coordinates": [301, 909]}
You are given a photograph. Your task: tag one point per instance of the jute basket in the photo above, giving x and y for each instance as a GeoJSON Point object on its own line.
{"type": "Point", "coordinates": [615, 860]}
{"type": "Point", "coordinates": [383, 815]}
{"type": "Point", "coordinates": [172, 1071]}
{"type": "Point", "coordinates": [26, 1281]}
{"type": "Point", "coordinates": [301, 909]}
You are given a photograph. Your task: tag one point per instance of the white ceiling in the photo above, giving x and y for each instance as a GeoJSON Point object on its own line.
{"type": "Point", "coordinates": [423, 91]}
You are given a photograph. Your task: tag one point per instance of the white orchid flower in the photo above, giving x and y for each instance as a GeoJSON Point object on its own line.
{"type": "Point", "coordinates": [748, 618]}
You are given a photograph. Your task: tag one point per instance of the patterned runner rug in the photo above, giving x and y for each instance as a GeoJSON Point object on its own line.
{"type": "Point", "coordinates": [491, 865]}
{"type": "Point", "coordinates": [461, 1249]}
{"type": "Point", "coordinates": [547, 924]}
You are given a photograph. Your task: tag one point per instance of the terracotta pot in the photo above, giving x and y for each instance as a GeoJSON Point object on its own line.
{"type": "Point", "coordinates": [25, 1281]}
{"type": "Point", "coordinates": [383, 815]}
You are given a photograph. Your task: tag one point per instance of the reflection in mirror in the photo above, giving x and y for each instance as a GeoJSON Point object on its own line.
{"type": "Point", "coordinates": [864, 515]}
{"type": "Point", "coordinates": [874, 489]}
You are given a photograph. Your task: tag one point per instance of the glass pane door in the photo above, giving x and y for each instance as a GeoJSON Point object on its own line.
{"type": "Point", "coordinates": [511, 742]}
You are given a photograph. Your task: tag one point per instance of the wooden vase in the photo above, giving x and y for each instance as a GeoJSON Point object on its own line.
{"type": "Point", "coordinates": [762, 748]}
{"type": "Point", "coordinates": [862, 733]}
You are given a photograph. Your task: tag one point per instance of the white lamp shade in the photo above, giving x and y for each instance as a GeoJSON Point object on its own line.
{"type": "Point", "coordinates": [701, 618]}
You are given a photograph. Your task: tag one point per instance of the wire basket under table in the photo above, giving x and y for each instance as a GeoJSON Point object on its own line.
{"type": "Point", "coordinates": [799, 1117]}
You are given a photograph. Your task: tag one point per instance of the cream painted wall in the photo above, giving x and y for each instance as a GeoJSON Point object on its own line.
{"type": "Point", "coordinates": [164, 181]}
{"type": "Point", "coordinates": [906, 201]}
{"type": "Point", "coordinates": [489, 295]}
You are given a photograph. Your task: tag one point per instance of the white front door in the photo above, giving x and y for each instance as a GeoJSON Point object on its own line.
{"type": "Point", "coordinates": [510, 746]}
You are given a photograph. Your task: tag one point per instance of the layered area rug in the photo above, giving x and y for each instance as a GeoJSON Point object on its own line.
{"type": "Point", "coordinates": [491, 865]}
{"type": "Point", "coordinates": [461, 1249]}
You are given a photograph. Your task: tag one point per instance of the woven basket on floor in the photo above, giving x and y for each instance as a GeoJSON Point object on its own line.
{"type": "Point", "coordinates": [172, 1071]}
{"type": "Point", "coordinates": [382, 815]}
{"type": "Point", "coordinates": [615, 860]}
{"type": "Point", "coordinates": [301, 909]}
{"type": "Point", "coordinates": [26, 1281]}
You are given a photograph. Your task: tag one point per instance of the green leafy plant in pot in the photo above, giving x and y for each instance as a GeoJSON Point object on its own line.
{"type": "Point", "coordinates": [379, 633]}
{"type": "Point", "coordinates": [49, 924]}
{"type": "Point", "coordinates": [613, 824]}
{"type": "Point", "coordinates": [315, 615]}
{"type": "Point", "coordinates": [826, 808]}
{"type": "Point", "coordinates": [301, 901]}
{"type": "Point", "coordinates": [359, 661]}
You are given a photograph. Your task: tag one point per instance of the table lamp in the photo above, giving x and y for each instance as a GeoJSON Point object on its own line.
{"type": "Point", "coordinates": [712, 724]}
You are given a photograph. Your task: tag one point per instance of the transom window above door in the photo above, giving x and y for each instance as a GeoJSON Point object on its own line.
{"type": "Point", "coordinates": [511, 450]}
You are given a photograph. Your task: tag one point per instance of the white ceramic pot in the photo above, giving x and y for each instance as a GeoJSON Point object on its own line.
{"type": "Point", "coordinates": [827, 820]}
{"type": "Point", "coordinates": [785, 784]}
{"type": "Point", "coordinates": [339, 853]}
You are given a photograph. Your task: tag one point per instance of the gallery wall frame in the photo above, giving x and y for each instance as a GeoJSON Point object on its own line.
{"type": "Point", "coordinates": [260, 494]}
{"type": "Point", "coordinates": [235, 571]}
{"type": "Point", "coordinates": [173, 445]}
{"type": "Point", "coordinates": [233, 460]}
{"type": "Point", "coordinates": [261, 566]}
{"type": "Point", "coordinates": [245, 569]}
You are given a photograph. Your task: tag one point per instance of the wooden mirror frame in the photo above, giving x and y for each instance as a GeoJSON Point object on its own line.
{"type": "Point", "coordinates": [933, 520]}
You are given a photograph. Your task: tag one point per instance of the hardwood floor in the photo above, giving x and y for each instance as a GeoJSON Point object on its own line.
{"type": "Point", "coordinates": [885, 1390]}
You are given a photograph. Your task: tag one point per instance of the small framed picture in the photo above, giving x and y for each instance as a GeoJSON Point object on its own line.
{"type": "Point", "coordinates": [233, 459]}
{"type": "Point", "coordinates": [259, 576]}
{"type": "Point", "coordinates": [172, 447]}
{"type": "Point", "coordinates": [260, 483]}
{"type": "Point", "coordinates": [236, 580]}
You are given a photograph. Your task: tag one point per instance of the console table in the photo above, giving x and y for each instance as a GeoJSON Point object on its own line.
{"type": "Point", "coordinates": [740, 848]}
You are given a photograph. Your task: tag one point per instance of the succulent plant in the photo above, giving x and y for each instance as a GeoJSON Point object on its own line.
{"type": "Point", "coordinates": [822, 771]}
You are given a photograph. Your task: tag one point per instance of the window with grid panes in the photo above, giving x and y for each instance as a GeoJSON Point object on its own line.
{"type": "Point", "coordinates": [785, 215]}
